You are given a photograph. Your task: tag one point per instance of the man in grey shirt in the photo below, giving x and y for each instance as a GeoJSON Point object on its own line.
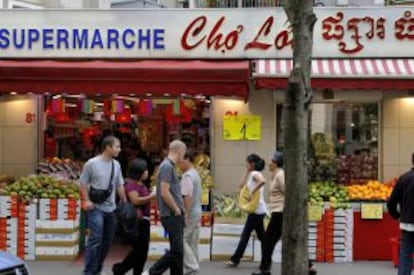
{"type": "Point", "coordinates": [97, 173]}
{"type": "Point", "coordinates": [191, 190]}
{"type": "Point", "coordinates": [171, 207]}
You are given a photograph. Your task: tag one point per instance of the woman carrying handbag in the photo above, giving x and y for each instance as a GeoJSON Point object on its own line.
{"type": "Point", "coordinates": [138, 195]}
{"type": "Point", "coordinates": [254, 182]}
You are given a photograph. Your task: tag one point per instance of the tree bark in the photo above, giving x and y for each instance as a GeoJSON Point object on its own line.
{"type": "Point", "coordinates": [296, 136]}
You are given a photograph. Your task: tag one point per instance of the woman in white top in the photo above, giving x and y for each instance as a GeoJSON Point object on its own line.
{"type": "Point", "coordinates": [255, 181]}
{"type": "Point", "coordinates": [277, 201]}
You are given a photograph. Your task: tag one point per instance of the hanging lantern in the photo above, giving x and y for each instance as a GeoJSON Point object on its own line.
{"type": "Point", "coordinates": [144, 107]}
{"type": "Point", "coordinates": [57, 106]}
{"type": "Point", "coordinates": [107, 108]}
{"type": "Point", "coordinates": [117, 106]}
{"type": "Point", "coordinates": [124, 117]}
{"type": "Point", "coordinates": [88, 106]}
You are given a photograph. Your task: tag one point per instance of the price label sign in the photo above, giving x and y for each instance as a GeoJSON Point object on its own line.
{"type": "Point", "coordinates": [315, 213]}
{"type": "Point", "coordinates": [232, 128]}
{"type": "Point", "coordinates": [372, 211]}
{"type": "Point", "coordinates": [253, 126]}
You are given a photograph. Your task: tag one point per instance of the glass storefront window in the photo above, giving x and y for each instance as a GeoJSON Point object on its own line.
{"type": "Point", "coordinates": [344, 141]}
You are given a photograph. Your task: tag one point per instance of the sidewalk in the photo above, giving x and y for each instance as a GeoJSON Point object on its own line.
{"type": "Point", "coordinates": [218, 268]}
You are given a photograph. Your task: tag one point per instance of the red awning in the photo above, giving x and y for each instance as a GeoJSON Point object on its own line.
{"type": "Point", "coordinates": [340, 73]}
{"type": "Point", "coordinates": [157, 77]}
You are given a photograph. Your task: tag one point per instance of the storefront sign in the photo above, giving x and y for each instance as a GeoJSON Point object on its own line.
{"type": "Point", "coordinates": [186, 33]}
{"type": "Point", "coordinates": [372, 211]}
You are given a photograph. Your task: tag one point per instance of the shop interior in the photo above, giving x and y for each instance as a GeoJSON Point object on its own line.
{"type": "Point", "coordinates": [76, 125]}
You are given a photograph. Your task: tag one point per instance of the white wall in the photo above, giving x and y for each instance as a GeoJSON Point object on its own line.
{"type": "Point", "coordinates": [398, 133]}
{"type": "Point", "coordinates": [18, 138]}
{"type": "Point", "coordinates": [228, 157]}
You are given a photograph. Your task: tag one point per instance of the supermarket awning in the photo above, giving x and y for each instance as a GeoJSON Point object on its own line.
{"type": "Point", "coordinates": [340, 73]}
{"type": "Point", "coordinates": [158, 77]}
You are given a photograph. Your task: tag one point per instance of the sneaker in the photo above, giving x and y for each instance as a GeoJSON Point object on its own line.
{"type": "Point", "coordinates": [231, 264]}
{"type": "Point", "coordinates": [146, 272]}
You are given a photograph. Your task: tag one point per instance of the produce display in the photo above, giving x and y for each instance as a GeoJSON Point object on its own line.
{"type": "Point", "coordinates": [336, 194]}
{"type": "Point", "coordinates": [357, 168]}
{"type": "Point", "coordinates": [371, 191]}
{"type": "Point", "coordinates": [66, 168]}
{"type": "Point", "coordinates": [5, 180]}
{"type": "Point", "coordinates": [227, 206]}
{"type": "Point", "coordinates": [42, 186]}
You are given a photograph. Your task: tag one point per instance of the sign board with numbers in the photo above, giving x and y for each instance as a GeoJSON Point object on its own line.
{"type": "Point", "coordinates": [372, 211]}
{"type": "Point", "coordinates": [244, 127]}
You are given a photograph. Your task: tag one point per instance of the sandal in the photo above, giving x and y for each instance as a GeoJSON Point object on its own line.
{"type": "Point", "coordinates": [231, 264]}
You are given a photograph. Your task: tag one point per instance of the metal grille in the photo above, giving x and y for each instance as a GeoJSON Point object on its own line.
{"type": "Point", "coordinates": [17, 270]}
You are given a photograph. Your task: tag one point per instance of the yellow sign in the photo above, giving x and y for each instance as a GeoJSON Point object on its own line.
{"type": "Point", "coordinates": [231, 128]}
{"type": "Point", "coordinates": [242, 127]}
{"type": "Point", "coordinates": [372, 211]}
{"type": "Point", "coordinates": [315, 213]}
{"type": "Point", "coordinates": [253, 126]}
{"type": "Point", "coordinates": [205, 197]}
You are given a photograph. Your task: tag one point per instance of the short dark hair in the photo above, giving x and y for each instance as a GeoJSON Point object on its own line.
{"type": "Point", "coordinates": [257, 161]}
{"type": "Point", "coordinates": [108, 141]}
{"type": "Point", "coordinates": [277, 158]}
{"type": "Point", "coordinates": [137, 168]}
{"type": "Point", "coordinates": [190, 155]}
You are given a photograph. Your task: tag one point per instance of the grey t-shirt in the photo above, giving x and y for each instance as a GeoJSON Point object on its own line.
{"type": "Point", "coordinates": [97, 173]}
{"type": "Point", "coordinates": [191, 182]}
{"type": "Point", "coordinates": [167, 174]}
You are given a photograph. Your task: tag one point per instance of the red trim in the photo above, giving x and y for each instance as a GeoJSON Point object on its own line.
{"type": "Point", "coordinates": [156, 77]}
{"type": "Point", "coordinates": [340, 83]}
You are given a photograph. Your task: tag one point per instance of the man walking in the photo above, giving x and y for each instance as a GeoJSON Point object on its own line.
{"type": "Point", "coordinates": [101, 178]}
{"type": "Point", "coordinates": [171, 207]}
{"type": "Point", "coordinates": [401, 206]}
{"type": "Point", "coordinates": [191, 191]}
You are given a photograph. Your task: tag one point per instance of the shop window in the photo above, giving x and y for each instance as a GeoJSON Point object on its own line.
{"type": "Point", "coordinates": [344, 141]}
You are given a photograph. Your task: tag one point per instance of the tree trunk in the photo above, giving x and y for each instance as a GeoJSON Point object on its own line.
{"type": "Point", "coordinates": [296, 113]}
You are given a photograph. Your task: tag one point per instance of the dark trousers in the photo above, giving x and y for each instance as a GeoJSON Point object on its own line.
{"type": "Point", "coordinates": [406, 253]}
{"type": "Point", "coordinates": [271, 237]}
{"type": "Point", "coordinates": [102, 227]}
{"type": "Point", "coordinates": [173, 259]}
{"type": "Point", "coordinates": [137, 257]}
{"type": "Point", "coordinates": [253, 222]}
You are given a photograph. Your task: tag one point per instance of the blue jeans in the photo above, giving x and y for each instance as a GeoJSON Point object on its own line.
{"type": "Point", "coordinates": [406, 253]}
{"type": "Point", "coordinates": [102, 228]}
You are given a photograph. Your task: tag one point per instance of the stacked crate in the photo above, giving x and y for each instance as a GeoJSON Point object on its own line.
{"type": "Point", "coordinates": [68, 209]}
{"type": "Point", "coordinates": [25, 231]}
{"type": "Point", "coordinates": [48, 209]}
{"type": "Point", "coordinates": [339, 226]}
{"type": "Point", "coordinates": [57, 229]}
{"type": "Point", "coordinates": [316, 241]}
{"type": "Point", "coordinates": [17, 221]}
{"type": "Point", "coordinates": [57, 240]}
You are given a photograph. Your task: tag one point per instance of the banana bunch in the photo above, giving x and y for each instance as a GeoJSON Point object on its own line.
{"type": "Point", "coordinates": [226, 206]}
